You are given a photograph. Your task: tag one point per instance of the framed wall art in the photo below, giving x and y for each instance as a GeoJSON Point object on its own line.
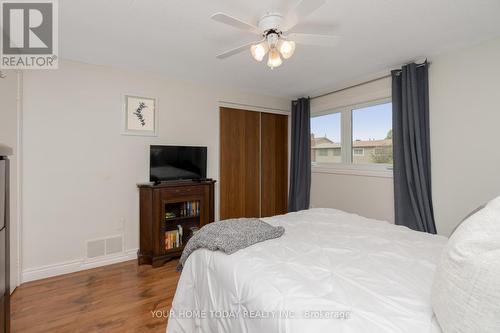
{"type": "Point", "coordinates": [140, 115]}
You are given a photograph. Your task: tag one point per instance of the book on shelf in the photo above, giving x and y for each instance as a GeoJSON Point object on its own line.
{"type": "Point", "coordinates": [190, 208]}
{"type": "Point", "coordinates": [173, 238]}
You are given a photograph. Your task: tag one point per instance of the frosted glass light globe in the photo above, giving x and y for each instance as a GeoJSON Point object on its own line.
{"type": "Point", "coordinates": [287, 48]}
{"type": "Point", "coordinates": [274, 59]}
{"type": "Point", "coordinates": [258, 51]}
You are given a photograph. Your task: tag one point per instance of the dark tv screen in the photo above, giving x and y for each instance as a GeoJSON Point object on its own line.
{"type": "Point", "coordinates": [177, 162]}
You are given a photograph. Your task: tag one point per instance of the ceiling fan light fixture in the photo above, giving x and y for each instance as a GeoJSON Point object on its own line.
{"type": "Point", "coordinates": [274, 59]}
{"type": "Point", "coordinates": [287, 48]}
{"type": "Point", "coordinates": [259, 51]}
{"type": "Point", "coordinates": [278, 33]}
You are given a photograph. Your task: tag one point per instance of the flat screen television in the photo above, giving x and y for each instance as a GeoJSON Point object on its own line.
{"type": "Point", "coordinates": [177, 162]}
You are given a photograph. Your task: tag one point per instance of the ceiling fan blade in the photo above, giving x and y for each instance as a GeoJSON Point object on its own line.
{"type": "Point", "coordinates": [236, 50]}
{"type": "Point", "coordinates": [311, 39]}
{"type": "Point", "coordinates": [234, 22]}
{"type": "Point", "coordinates": [299, 12]}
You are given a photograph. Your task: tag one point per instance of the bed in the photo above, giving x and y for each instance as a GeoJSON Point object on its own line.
{"type": "Point", "coordinates": [330, 272]}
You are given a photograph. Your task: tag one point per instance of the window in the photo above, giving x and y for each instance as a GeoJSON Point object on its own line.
{"type": "Point", "coordinates": [358, 152]}
{"type": "Point", "coordinates": [358, 135]}
{"type": "Point", "coordinates": [325, 137]}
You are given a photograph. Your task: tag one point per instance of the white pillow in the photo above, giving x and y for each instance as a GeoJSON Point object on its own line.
{"type": "Point", "coordinates": [466, 290]}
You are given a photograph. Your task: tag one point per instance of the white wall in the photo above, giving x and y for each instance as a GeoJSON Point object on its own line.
{"type": "Point", "coordinates": [465, 131]}
{"type": "Point", "coordinates": [9, 135]}
{"type": "Point", "coordinates": [80, 173]}
{"type": "Point", "coordinates": [365, 193]}
{"type": "Point", "coordinates": [369, 196]}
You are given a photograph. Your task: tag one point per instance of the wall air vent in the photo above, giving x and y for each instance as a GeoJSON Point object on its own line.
{"type": "Point", "coordinates": [104, 246]}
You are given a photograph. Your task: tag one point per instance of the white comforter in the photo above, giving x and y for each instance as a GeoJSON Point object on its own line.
{"type": "Point", "coordinates": [330, 272]}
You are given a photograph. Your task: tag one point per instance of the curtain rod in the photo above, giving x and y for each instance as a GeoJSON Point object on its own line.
{"type": "Point", "coordinates": [363, 83]}
{"type": "Point", "coordinates": [353, 86]}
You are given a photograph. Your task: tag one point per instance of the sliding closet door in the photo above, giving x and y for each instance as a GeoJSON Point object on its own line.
{"type": "Point", "coordinates": [274, 164]}
{"type": "Point", "coordinates": [239, 163]}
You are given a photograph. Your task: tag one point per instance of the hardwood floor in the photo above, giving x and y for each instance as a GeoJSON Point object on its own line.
{"type": "Point", "coordinates": [115, 298]}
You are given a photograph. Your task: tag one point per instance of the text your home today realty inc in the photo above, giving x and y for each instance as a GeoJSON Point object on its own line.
{"type": "Point", "coordinates": [285, 314]}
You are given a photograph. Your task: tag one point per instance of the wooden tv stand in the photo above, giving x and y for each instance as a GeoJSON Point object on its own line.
{"type": "Point", "coordinates": [172, 198]}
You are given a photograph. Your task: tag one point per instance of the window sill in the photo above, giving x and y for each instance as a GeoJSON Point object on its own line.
{"type": "Point", "coordinates": [354, 170]}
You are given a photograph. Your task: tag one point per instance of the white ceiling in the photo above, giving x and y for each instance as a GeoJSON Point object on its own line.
{"type": "Point", "coordinates": [178, 38]}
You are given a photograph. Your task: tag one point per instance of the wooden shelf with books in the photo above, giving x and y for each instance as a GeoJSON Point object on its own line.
{"type": "Point", "coordinates": [170, 213]}
{"type": "Point", "coordinates": [181, 219]}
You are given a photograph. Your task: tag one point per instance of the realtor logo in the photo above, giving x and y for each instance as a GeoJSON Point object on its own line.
{"type": "Point", "coordinates": [29, 34]}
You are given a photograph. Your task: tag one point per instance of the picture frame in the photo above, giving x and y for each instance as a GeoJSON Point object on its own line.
{"type": "Point", "coordinates": [140, 115]}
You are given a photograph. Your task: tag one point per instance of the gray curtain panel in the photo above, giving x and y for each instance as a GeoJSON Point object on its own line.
{"type": "Point", "coordinates": [411, 140]}
{"type": "Point", "coordinates": [300, 161]}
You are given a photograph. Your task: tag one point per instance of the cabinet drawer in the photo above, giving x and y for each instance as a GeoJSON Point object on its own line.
{"type": "Point", "coordinates": [181, 191]}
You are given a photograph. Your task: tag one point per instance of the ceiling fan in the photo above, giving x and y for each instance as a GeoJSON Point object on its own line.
{"type": "Point", "coordinates": [278, 34]}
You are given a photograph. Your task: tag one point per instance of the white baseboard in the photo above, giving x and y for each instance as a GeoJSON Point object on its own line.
{"type": "Point", "coordinates": [42, 272]}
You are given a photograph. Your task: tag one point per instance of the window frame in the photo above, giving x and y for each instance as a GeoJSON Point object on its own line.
{"type": "Point", "coordinates": [346, 166]}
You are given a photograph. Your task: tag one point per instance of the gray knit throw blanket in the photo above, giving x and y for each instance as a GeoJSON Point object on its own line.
{"type": "Point", "coordinates": [230, 236]}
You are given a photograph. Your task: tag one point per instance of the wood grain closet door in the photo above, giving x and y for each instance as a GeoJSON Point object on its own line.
{"type": "Point", "coordinates": [274, 164]}
{"type": "Point", "coordinates": [239, 163]}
